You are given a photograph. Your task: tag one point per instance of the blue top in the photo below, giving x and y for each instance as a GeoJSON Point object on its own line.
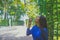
{"type": "Point", "coordinates": [37, 33]}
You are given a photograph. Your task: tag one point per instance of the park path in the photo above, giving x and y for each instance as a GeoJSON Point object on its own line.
{"type": "Point", "coordinates": [14, 33]}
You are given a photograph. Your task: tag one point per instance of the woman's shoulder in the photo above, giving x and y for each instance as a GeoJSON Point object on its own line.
{"type": "Point", "coordinates": [34, 26]}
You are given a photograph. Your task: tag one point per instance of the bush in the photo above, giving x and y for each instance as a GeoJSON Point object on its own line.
{"type": "Point", "coordinates": [4, 23]}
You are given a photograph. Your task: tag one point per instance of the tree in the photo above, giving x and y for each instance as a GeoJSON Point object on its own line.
{"type": "Point", "coordinates": [32, 10]}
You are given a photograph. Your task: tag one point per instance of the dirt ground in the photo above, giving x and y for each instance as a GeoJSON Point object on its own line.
{"type": "Point", "coordinates": [14, 33]}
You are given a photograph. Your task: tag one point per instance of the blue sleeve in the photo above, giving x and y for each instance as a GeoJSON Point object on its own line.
{"type": "Point", "coordinates": [28, 32]}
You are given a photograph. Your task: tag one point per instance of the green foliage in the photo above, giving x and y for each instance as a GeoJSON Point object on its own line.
{"type": "Point", "coordinates": [4, 23]}
{"type": "Point", "coordinates": [32, 9]}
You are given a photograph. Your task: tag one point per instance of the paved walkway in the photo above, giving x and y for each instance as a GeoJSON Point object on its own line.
{"type": "Point", "coordinates": [14, 33]}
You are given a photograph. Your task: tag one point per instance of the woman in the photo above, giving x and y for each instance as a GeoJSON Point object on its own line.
{"type": "Point", "coordinates": [39, 31]}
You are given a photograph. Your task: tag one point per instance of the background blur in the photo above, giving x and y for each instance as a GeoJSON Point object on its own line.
{"type": "Point", "coordinates": [14, 15]}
